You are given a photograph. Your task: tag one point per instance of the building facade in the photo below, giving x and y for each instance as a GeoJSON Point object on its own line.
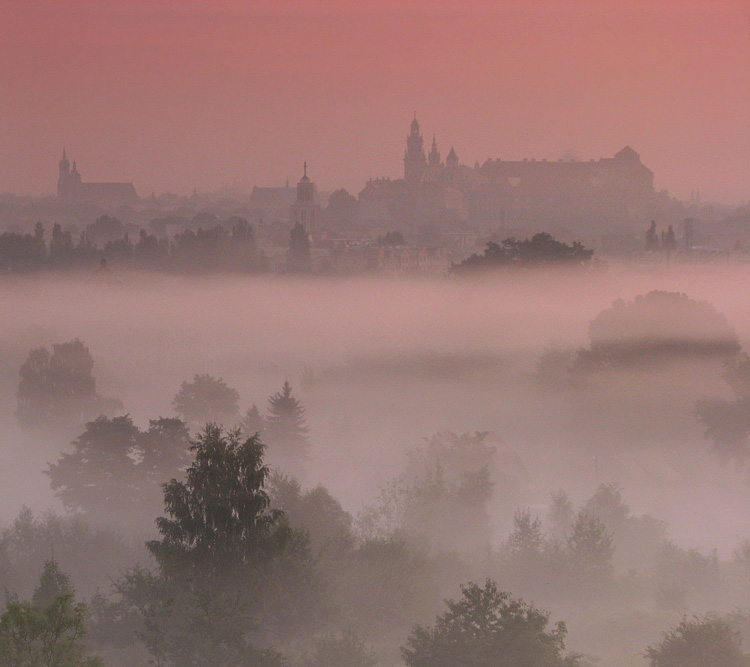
{"type": "Point", "coordinates": [71, 188]}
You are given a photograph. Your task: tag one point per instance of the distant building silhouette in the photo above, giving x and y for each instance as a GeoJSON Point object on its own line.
{"type": "Point", "coordinates": [71, 188]}
{"type": "Point", "coordinates": [511, 193]}
{"type": "Point", "coordinates": [305, 211]}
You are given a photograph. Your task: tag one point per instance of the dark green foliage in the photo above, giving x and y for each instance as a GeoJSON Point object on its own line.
{"type": "Point", "coordinates": [705, 641]}
{"type": "Point", "coordinates": [541, 250]}
{"type": "Point", "coordinates": [230, 569]}
{"type": "Point", "coordinates": [205, 399]}
{"type": "Point", "coordinates": [59, 388]}
{"type": "Point", "coordinates": [488, 628]}
{"type": "Point", "coordinates": [219, 519]}
{"type": "Point", "coordinates": [50, 632]}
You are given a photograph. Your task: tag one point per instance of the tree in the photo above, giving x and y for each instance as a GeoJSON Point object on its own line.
{"type": "Point", "coordinates": [49, 632]}
{"type": "Point", "coordinates": [252, 422]}
{"type": "Point", "coordinates": [225, 560]}
{"type": "Point", "coordinates": [541, 250]}
{"type": "Point", "coordinates": [298, 255]}
{"type": "Point", "coordinates": [115, 470]}
{"type": "Point", "coordinates": [219, 519]}
{"type": "Point", "coordinates": [703, 641]}
{"type": "Point", "coordinates": [59, 388]}
{"type": "Point", "coordinates": [207, 399]}
{"type": "Point", "coordinates": [660, 325]}
{"type": "Point", "coordinates": [590, 551]}
{"type": "Point", "coordinates": [488, 628]}
{"type": "Point", "coordinates": [652, 238]}
{"type": "Point", "coordinates": [286, 430]}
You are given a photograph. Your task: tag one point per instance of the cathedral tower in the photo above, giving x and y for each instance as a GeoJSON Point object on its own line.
{"type": "Point", "coordinates": [63, 180]}
{"type": "Point", "coordinates": [414, 158]}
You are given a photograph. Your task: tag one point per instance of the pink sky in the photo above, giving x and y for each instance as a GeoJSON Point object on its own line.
{"type": "Point", "coordinates": [173, 95]}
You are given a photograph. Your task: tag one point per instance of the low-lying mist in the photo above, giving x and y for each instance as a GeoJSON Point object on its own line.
{"type": "Point", "coordinates": [381, 367]}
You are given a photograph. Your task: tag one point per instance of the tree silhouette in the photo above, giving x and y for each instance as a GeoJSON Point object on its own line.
{"type": "Point", "coordinates": [488, 628]}
{"type": "Point", "coordinates": [286, 430]}
{"type": "Point", "coordinates": [59, 388]}
{"type": "Point", "coordinates": [207, 399]}
{"type": "Point", "coordinates": [705, 641]}
{"type": "Point", "coordinates": [298, 256]}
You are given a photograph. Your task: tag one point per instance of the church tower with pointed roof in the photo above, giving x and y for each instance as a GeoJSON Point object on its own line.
{"type": "Point", "coordinates": [434, 157]}
{"type": "Point", "coordinates": [305, 211]}
{"type": "Point", "coordinates": [414, 158]}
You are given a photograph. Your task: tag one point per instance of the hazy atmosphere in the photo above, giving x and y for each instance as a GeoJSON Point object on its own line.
{"type": "Point", "coordinates": [398, 334]}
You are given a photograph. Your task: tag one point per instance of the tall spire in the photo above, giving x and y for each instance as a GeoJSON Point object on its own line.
{"type": "Point", "coordinates": [305, 168]}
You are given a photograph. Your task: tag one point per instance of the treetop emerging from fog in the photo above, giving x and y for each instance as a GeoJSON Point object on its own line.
{"type": "Point", "coordinates": [659, 323]}
{"type": "Point", "coordinates": [541, 250]}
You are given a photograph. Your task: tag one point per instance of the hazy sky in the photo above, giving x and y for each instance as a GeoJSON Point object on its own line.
{"type": "Point", "coordinates": [173, 95]}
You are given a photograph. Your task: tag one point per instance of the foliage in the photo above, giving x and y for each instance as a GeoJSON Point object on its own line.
{"type": "Point", "coordinates": [705, 641]}
{"type": "Point", "coordinates": [205, 399]}
{"type": "Point", "coordinates": [541, 250]}
{"type": "Point", "coordinates": [59, 388]}
{"type": "Point", "coordinates": [50, 632]}
{"type": "Point", "coordinates": [298, 255]}
{"type": "Point", "coordinates": [488, 628]}
{"type": "Point", "coordinates": [590, 551]}
{"type": "Point", "coordinates": [115, 470]}
{"type": "Point", "coordinates": [220, 517]}
{"type": "Point", "coordinates": [727, 422]}
{"type": "Point", "coordinates": [89, 555]}
{"type": "Point", "coordinates": [440, 500]}
{"type": "Point", "coordinates": [286, 430]}
{"type": "Point", "coordinates": [659, 325]}
{"type": "Point", "coordinates": [229, 566]}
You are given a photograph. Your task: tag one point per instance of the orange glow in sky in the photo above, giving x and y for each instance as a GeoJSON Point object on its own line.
{"type": "Point", "coordinates": [173, 95]}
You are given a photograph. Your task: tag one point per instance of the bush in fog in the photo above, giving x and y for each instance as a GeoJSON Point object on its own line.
{"type": "Point", "coordinates": [658, 325]}
{"type": "Point", "coordinates": [48, 632]}
{"type": "Point", "coordinates": [488, 628]}
{"type": "Point", "coordinates": [590, 550]}
{"type": "Point", "coordinates": [115, 470]}
{"type": "Point", "coordinates": [59, 389]}
{"type": "Point", "coordinates": [705, 641]}
{"type": "Point", "coordinates": [207, 399]}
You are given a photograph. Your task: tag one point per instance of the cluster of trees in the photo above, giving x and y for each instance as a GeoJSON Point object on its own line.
{"type": "Point", "coordinates": [229, 246]}
{"type": "Point", "coordinates": [59, 389]}
{"type": "Point", "coordinates": [541, 250]}
{"type": "Point", "coordinates": [248, 568]}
